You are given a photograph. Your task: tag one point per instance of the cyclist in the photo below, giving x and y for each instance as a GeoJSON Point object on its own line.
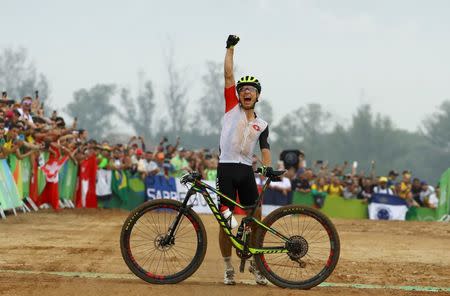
{"type": "Point", "coordinates": [241, 130]}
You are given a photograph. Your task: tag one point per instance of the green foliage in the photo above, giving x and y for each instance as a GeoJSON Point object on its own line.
{"type": "Point", "coordinates": [93, 109]}
{"type": "Point", "coordinates": [211, 104]}
{"type": "Point", "coordinates": [19, 76]}
{"type": "Point", "coordinates": [437, 126]}
{"type": "Point", "coordinates": [138, 112]}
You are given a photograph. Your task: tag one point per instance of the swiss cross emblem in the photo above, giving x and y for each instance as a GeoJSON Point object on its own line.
{"type": "Point", "coordinates": [256, 127]}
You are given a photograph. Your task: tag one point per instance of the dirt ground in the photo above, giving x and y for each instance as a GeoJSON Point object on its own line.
{"type": "Point", "coordinates": [76, 252]}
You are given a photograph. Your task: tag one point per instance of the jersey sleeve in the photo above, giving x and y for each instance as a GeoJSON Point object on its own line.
{"type": "Point", "coordinates": [231, 99]}
{"type": "Point", "coordinates": [263, 139]}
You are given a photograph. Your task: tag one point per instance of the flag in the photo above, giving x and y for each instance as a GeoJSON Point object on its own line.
{"type": "Point", "coordinates": [87, 172]}
{"type": "Point", "coordinates": [51, 169]}
{"type": "Point", "coordinates": [387, 207]}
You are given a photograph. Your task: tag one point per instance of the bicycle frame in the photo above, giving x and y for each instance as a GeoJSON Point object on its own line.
{"type": "Point", "coordinates": [202, 188]}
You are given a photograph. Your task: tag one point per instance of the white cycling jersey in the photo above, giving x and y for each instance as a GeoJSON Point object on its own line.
{"type": "Point", "coordinates": [239, 135]}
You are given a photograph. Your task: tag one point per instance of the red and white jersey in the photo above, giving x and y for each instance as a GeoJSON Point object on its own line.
{"type": "Point", "coordinates": [239, 136]}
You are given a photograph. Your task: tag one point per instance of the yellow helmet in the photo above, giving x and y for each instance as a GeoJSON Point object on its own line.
{"type": "Point", "coordinates": [248, 80]}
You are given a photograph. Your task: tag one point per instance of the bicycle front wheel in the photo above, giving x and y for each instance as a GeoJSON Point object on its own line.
{"type": "Point", "coordinates": [154, 256]}
{"type": "Point", "coordinates": [312, 247]}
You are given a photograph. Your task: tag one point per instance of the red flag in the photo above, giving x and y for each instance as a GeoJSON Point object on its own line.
{"type": "Point", "coordinates": [87, 173]}
{"type": "Point", "coordinates": [50, 194]}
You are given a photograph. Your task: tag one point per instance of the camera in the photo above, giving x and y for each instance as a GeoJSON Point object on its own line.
{"type": "Point", "coordinates": [4, 94]}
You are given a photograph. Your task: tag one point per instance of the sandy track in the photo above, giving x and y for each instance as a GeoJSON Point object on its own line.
{"type": "Point", "coordinates": [372, 252]}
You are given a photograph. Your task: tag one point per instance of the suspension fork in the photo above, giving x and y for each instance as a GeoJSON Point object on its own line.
{"type": "Point", "coordinates": [184, 208]}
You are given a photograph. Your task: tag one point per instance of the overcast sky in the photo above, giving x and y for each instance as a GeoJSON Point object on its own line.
{"type": "Point", "coordinates": [392, 54]}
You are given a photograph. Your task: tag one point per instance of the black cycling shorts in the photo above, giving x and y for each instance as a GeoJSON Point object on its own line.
{"type": "Point", "coordinates": [237, 178]}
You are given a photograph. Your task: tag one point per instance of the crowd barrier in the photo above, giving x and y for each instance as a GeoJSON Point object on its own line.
{"type": "Point", "coordinates": [21, 179]}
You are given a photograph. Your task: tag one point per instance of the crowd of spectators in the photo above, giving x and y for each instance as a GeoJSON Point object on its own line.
{"type": "Point", "coordinates": [25, 130]}
{"type": "Point", "coordinates": [320, 181]}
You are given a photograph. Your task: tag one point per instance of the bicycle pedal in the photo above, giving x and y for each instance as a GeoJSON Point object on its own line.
{"type": "Point", "coordinates": [242, 266]}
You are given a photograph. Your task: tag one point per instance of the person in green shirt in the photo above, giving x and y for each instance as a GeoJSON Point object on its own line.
{"type": "Point", "coordinates": [179, 163]}
{"type": "Point", "coordinates": [210, 173]}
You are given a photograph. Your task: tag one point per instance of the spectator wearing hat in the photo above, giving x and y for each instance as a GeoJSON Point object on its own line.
{"type": "Point", "coordinates": [179, 163]}
{"type": "Point", "coordinates": [428, 196]}
{"type": "Point", "coordinates": [164, 166]}
{"type": "Point", "coordinates": [382, 187]}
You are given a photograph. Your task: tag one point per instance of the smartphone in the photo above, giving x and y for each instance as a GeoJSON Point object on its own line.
{"type": "Point", "coordinates": [355, 164]}
{"type": "Point", "coordinates": [36, 94]}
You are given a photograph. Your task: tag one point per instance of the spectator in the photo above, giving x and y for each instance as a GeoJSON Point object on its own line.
{"type": "Point", "coordinates": [350, 189]}
{"type": "Point", "coordinates": [146, 165]}
{"type": "Point", "coordinates": [428, 196]}
{"type": "Point", "coordinates": [366, 188]}
{"type": "Point", "coordinates": [210, 172]}
{"type": "Point", "coordinates": [179, 163]}
{"type": "Point", "coordinates": [416, 189]}
{"type": "Point", "coordinates": [319, 192]}
{"type": "Point", "coordinates": [404, 190]}
{"type": "Point", "coordinates": [284, 186]}
{"type": "Point", "coordinates": [335, 187]}
{"type": "Point", "coordinates": [382, 187]}
{"type": "Point", "coordinates": [302, 184]}
{"type": "Point", "coordinates": [392, 176]}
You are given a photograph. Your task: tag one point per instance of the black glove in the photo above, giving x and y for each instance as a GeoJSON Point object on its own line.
{"type": "Point", "coordinates": [232, 41]}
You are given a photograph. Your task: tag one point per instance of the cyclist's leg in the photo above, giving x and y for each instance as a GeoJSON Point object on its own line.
{"type": "Point", "coordinates": [248, 194]}
{"type": "Point", "coordinates": [225, 184]}
{"type": "Point", "coordinates": [248, 191]}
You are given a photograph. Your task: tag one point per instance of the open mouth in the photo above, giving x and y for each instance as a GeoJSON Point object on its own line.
{"type": "Point", "coordinates": [247, 100]}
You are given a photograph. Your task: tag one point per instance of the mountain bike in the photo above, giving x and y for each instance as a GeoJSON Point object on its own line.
{"type": "Point", "coordinates": [164, 241]}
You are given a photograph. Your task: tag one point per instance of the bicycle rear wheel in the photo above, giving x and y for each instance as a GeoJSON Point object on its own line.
{"type": "Point", "coordinates": [313, 247]}
{"type": "Point", "coordinates": [151, 254]}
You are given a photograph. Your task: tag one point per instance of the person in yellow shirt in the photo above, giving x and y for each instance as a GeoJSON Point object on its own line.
{"type": "Point", "coordinates": [335, 187]}
{"type": "Point", "coordinates": [404, 189]}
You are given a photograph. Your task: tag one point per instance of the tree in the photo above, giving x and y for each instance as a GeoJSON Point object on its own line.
{"type": "Point", "coordinates": [176, 96]}
{"type": "Point", "coordinates": [139, 111]}
{"type": "Point", "coordinates": [212, 103]}
{"type": "Point", "coordinates": [19, 77]}
{"type": "Point", "coordinates": [302, 128]}
{"type": "Point", "coordinates": [93, 109]}
{"type": "Point", "coordinates": [436, 127]}
{"type": "Point", "coordinates": [264, 108]}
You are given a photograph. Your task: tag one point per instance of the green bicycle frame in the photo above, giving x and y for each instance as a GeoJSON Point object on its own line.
{"type": "Point", "coordinates": [202, 188]}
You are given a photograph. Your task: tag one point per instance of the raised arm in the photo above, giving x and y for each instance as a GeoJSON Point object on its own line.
{"type": "Point", "coordinates": [228, 63]}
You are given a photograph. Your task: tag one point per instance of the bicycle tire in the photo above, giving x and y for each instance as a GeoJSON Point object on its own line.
{"type": "Point", "coordinates": [330, 262]}
{"type": "Point", "coordinates": [163, 205]}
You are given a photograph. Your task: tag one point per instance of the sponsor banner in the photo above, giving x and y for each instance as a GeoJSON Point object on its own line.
{"type": "Point", "coordinates": [387, 207]}
{"type": "Point", "coordinates": [443, 208]}
{"type": "Point", "coordinates": [157, 187]}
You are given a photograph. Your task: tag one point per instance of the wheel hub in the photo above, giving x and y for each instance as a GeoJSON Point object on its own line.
{"type": "Point", "coordinates": [297, 247]}
{"type": "Point", "coordinates": [161, 243]}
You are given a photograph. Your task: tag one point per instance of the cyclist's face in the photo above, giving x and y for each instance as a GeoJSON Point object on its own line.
{"type": "Point", "coordinates": [247, 96]}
